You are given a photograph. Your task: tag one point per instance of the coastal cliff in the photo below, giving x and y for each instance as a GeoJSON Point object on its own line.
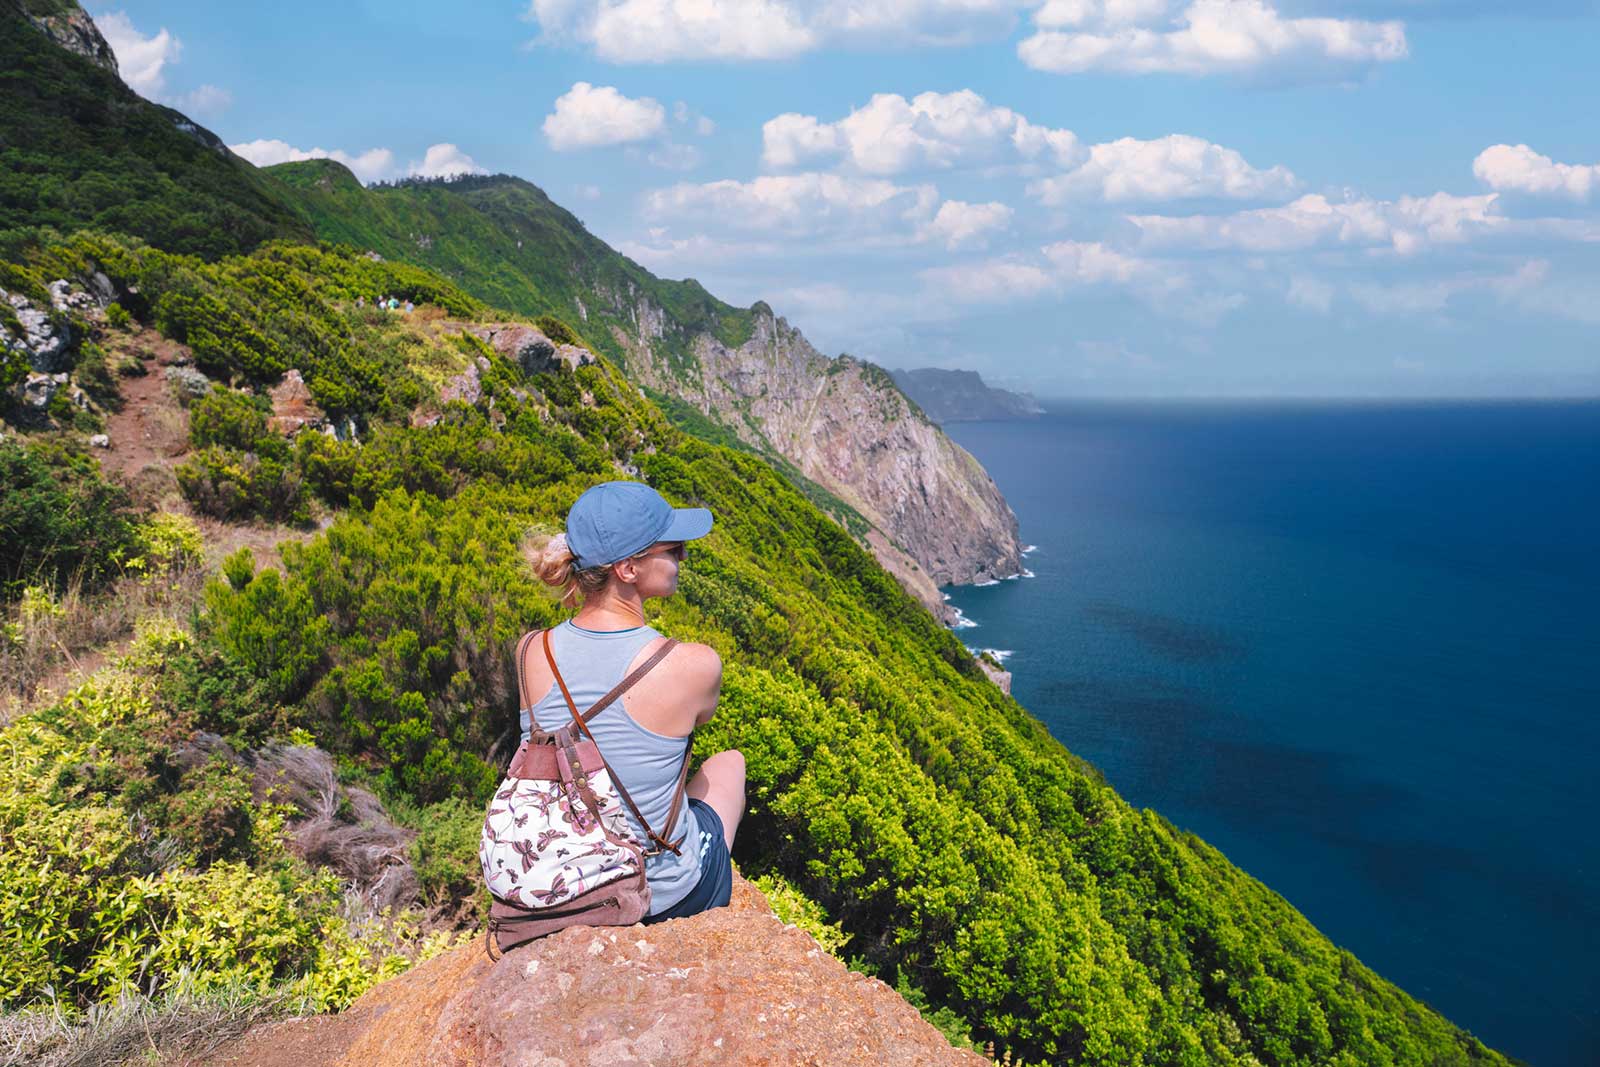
{"type": "Point", "coordinates": [846, 426]}
{"type": "Point", "coordinates": [963, 396]}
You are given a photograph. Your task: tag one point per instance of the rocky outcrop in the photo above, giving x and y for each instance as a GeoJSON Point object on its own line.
{"type": "Point", "coordinates": [846, 426]}
{"type": "Point", "coordinates": [962, 396]}
{"type": "Point", "coordinates": [75, 31]}
{"type": "Point", "coordinates": [293, 409]}
{"type": "Point", "coordinates": [532, 350]}
{"type": "Point", "coordinates": [730, 986]}
{"type": "Point", "coordinates": [998, 675]}
{"type": "Point", "coordinates": [41, 337]}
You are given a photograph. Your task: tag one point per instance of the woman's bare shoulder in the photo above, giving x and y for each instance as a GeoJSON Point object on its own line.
{"type": "Point", "coordinates": [694, 661]}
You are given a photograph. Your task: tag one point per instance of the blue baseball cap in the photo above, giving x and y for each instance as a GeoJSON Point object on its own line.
{"type": "Point", "coordinates": [615, 520]}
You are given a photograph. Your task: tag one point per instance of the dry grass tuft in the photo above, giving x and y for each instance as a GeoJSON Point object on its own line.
{"type": "Point", "coordinates": [344, 828]}
{"type": "Point", "coordinates": [48, 640]}
{"type": "Point", "coordinates": [178, 1025]}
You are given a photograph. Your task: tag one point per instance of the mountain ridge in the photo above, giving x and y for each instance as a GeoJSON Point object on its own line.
{"type": "Point", "coordinates": [939, 515]}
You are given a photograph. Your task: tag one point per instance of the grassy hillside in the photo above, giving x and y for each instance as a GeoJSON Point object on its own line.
{"type": "Point", "coordinates": [503, 240]}
{"type": "Point", "coordinates": [969, 859]}
{"type": "Point", "coordinates": [78, 148]}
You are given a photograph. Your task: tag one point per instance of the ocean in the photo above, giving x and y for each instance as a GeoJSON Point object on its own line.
{"type": "Point", "coordinates": [1354, 646]}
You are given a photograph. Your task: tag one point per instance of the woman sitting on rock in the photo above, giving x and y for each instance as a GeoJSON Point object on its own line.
{"type": "Point", "coordinates": [623, 545]}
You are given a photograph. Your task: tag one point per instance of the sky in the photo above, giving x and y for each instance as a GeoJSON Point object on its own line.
{"type": "Point", "coordinates": [1184, 198]}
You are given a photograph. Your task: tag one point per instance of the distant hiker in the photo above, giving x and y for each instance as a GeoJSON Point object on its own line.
{"type": "Point", "coordinates": [410, 307]}
{"type": "Point", "coordinates": [361, 301]}
{"type": "Point", "coordinates": [623, 545]}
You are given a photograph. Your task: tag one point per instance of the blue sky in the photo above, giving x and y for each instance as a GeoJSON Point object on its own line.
{"type": "Point", "coordinates": [1078, 197]}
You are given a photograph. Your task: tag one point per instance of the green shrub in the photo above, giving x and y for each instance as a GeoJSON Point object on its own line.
{"type": "Point", "coordinates": [210, 813]}
{"type": "Point", "coordinates": [556, 330]}
{"type": "Point", "coordinates": [166, 542]}
{"type": "Point", "coordinates": [57, 516]}
{"type": "Point", "coordinates": [231, 419]}
{"type": "Point", "coordinates": [226, 697]}
{"type": "Point", "coordinates": [445, 854]}
{"type": "Point", "coordinates": [229, 484]}
{"type": "Point", "coordinates": [797, 909]}
{"type": "Point", "coordinates": [117, 316]}
{"type": "Point", "coordinates": [268, 626]}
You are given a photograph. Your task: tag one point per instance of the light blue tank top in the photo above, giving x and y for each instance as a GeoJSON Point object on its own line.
{"type": "Point", "coordinates": [592, 662]}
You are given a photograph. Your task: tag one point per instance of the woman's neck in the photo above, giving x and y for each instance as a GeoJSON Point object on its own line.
{"type": "Point", "coordinates": [610, 612]}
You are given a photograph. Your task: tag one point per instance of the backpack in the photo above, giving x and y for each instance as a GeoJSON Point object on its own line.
{"type": "Point", "coordinates": [557, 849]}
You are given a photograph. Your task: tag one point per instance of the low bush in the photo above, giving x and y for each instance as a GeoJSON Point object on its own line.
{"type": "Point", "coordinates": [58, 517]}
{"type": "Point", "coordinates": [226, 483]}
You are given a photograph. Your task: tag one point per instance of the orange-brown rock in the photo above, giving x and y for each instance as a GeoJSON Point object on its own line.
{"type": "Point", "coordinates": [293, 409]}
{"type": "Point", "coordinates": [730, 986]}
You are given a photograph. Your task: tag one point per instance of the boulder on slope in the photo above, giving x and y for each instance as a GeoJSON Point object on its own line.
{"type": "Point", "coordinates": [733, 985]}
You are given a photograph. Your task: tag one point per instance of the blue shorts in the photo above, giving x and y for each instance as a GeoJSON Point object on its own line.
{"type": "Point", "coordinates": [715, 887]}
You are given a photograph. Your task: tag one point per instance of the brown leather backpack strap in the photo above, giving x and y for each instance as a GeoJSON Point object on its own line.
{"type": "Point", "coordinates": [581, 726]}
{"type": "Point", "coordinates": [522, 674]}
{"type": "Point", "coordinates": [678, 797]}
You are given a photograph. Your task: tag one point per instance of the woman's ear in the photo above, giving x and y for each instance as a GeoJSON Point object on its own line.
{"type": "Point", "coordinates": [626, 570]}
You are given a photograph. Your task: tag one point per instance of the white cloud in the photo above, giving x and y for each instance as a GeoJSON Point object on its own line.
{"type": "Point", "coordinates": [808, 204]}
{"type": "Point", "coordinates": [590, 117]}
{"type": "Point", "coordinates": [207, 101]}
{"type": "Point", "coordinates": [141, 60]}
{"type": "Point", "coordinates": [791, 140]}
{"type": "Point", "coordinates": [661, 252]}
{"type": "Point", "coordinates": [1405, 225]}
{"type": "Point", "coordinates": [1520, 169]}
{"type": "Point", "coordinates": [892, 135]}
{"type": "Point", "coordinates": [442, 161]}
{"type": "Point", "coordinates": [958, 223]}
{"type": "Point", "coordinates": [1206, 37]}
{"type": "Point", "coordinates": [657, 31]}
{"type": "Point", "coordinates": [371, 165]}
{"type": "Point", "coordinates": [587, 192]}
{"type": "Point", "coordinates": [1168, 168]}
{"type": "Point", "coordinates": [1092, 263]}
{"type": "Point", "coordinates": [993, 281]}
{"type": "Point", "coordinates": [1059, 266]}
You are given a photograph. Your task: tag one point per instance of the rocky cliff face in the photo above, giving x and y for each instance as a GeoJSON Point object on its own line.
{"type": "Point", "coordinates": [69, 26]}
{"type": "Point", "coordinates": [845, 426]}
{"type": "Point", "coordinates": [730, 986]}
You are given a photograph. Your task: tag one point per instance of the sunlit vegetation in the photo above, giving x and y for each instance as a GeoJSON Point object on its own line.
{"type": "Point", "coordinates": [903, 809]}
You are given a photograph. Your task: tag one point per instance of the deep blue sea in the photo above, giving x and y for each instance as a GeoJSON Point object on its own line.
{"type": "Point", "coordinates": [1357, 648]}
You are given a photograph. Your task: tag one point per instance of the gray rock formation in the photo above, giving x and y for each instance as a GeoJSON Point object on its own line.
{"type": "Point", "coordinates": [37, 390]}
{"type": "Point", "coordinates": [846, 426]}
{"type": "Point", "coordinates": [187, 382]}
{"type": "Point", "coordinates": [46, 338]}
{"type": "Point", "coordinates": [531, 349]}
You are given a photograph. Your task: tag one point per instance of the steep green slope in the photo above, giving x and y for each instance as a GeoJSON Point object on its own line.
{"type": "Point", "coordinates": [971, 859]}
{"type": "Point", "coordinates": [503, 240]}
{"type": "Point", "coordinates": [80, 149]}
